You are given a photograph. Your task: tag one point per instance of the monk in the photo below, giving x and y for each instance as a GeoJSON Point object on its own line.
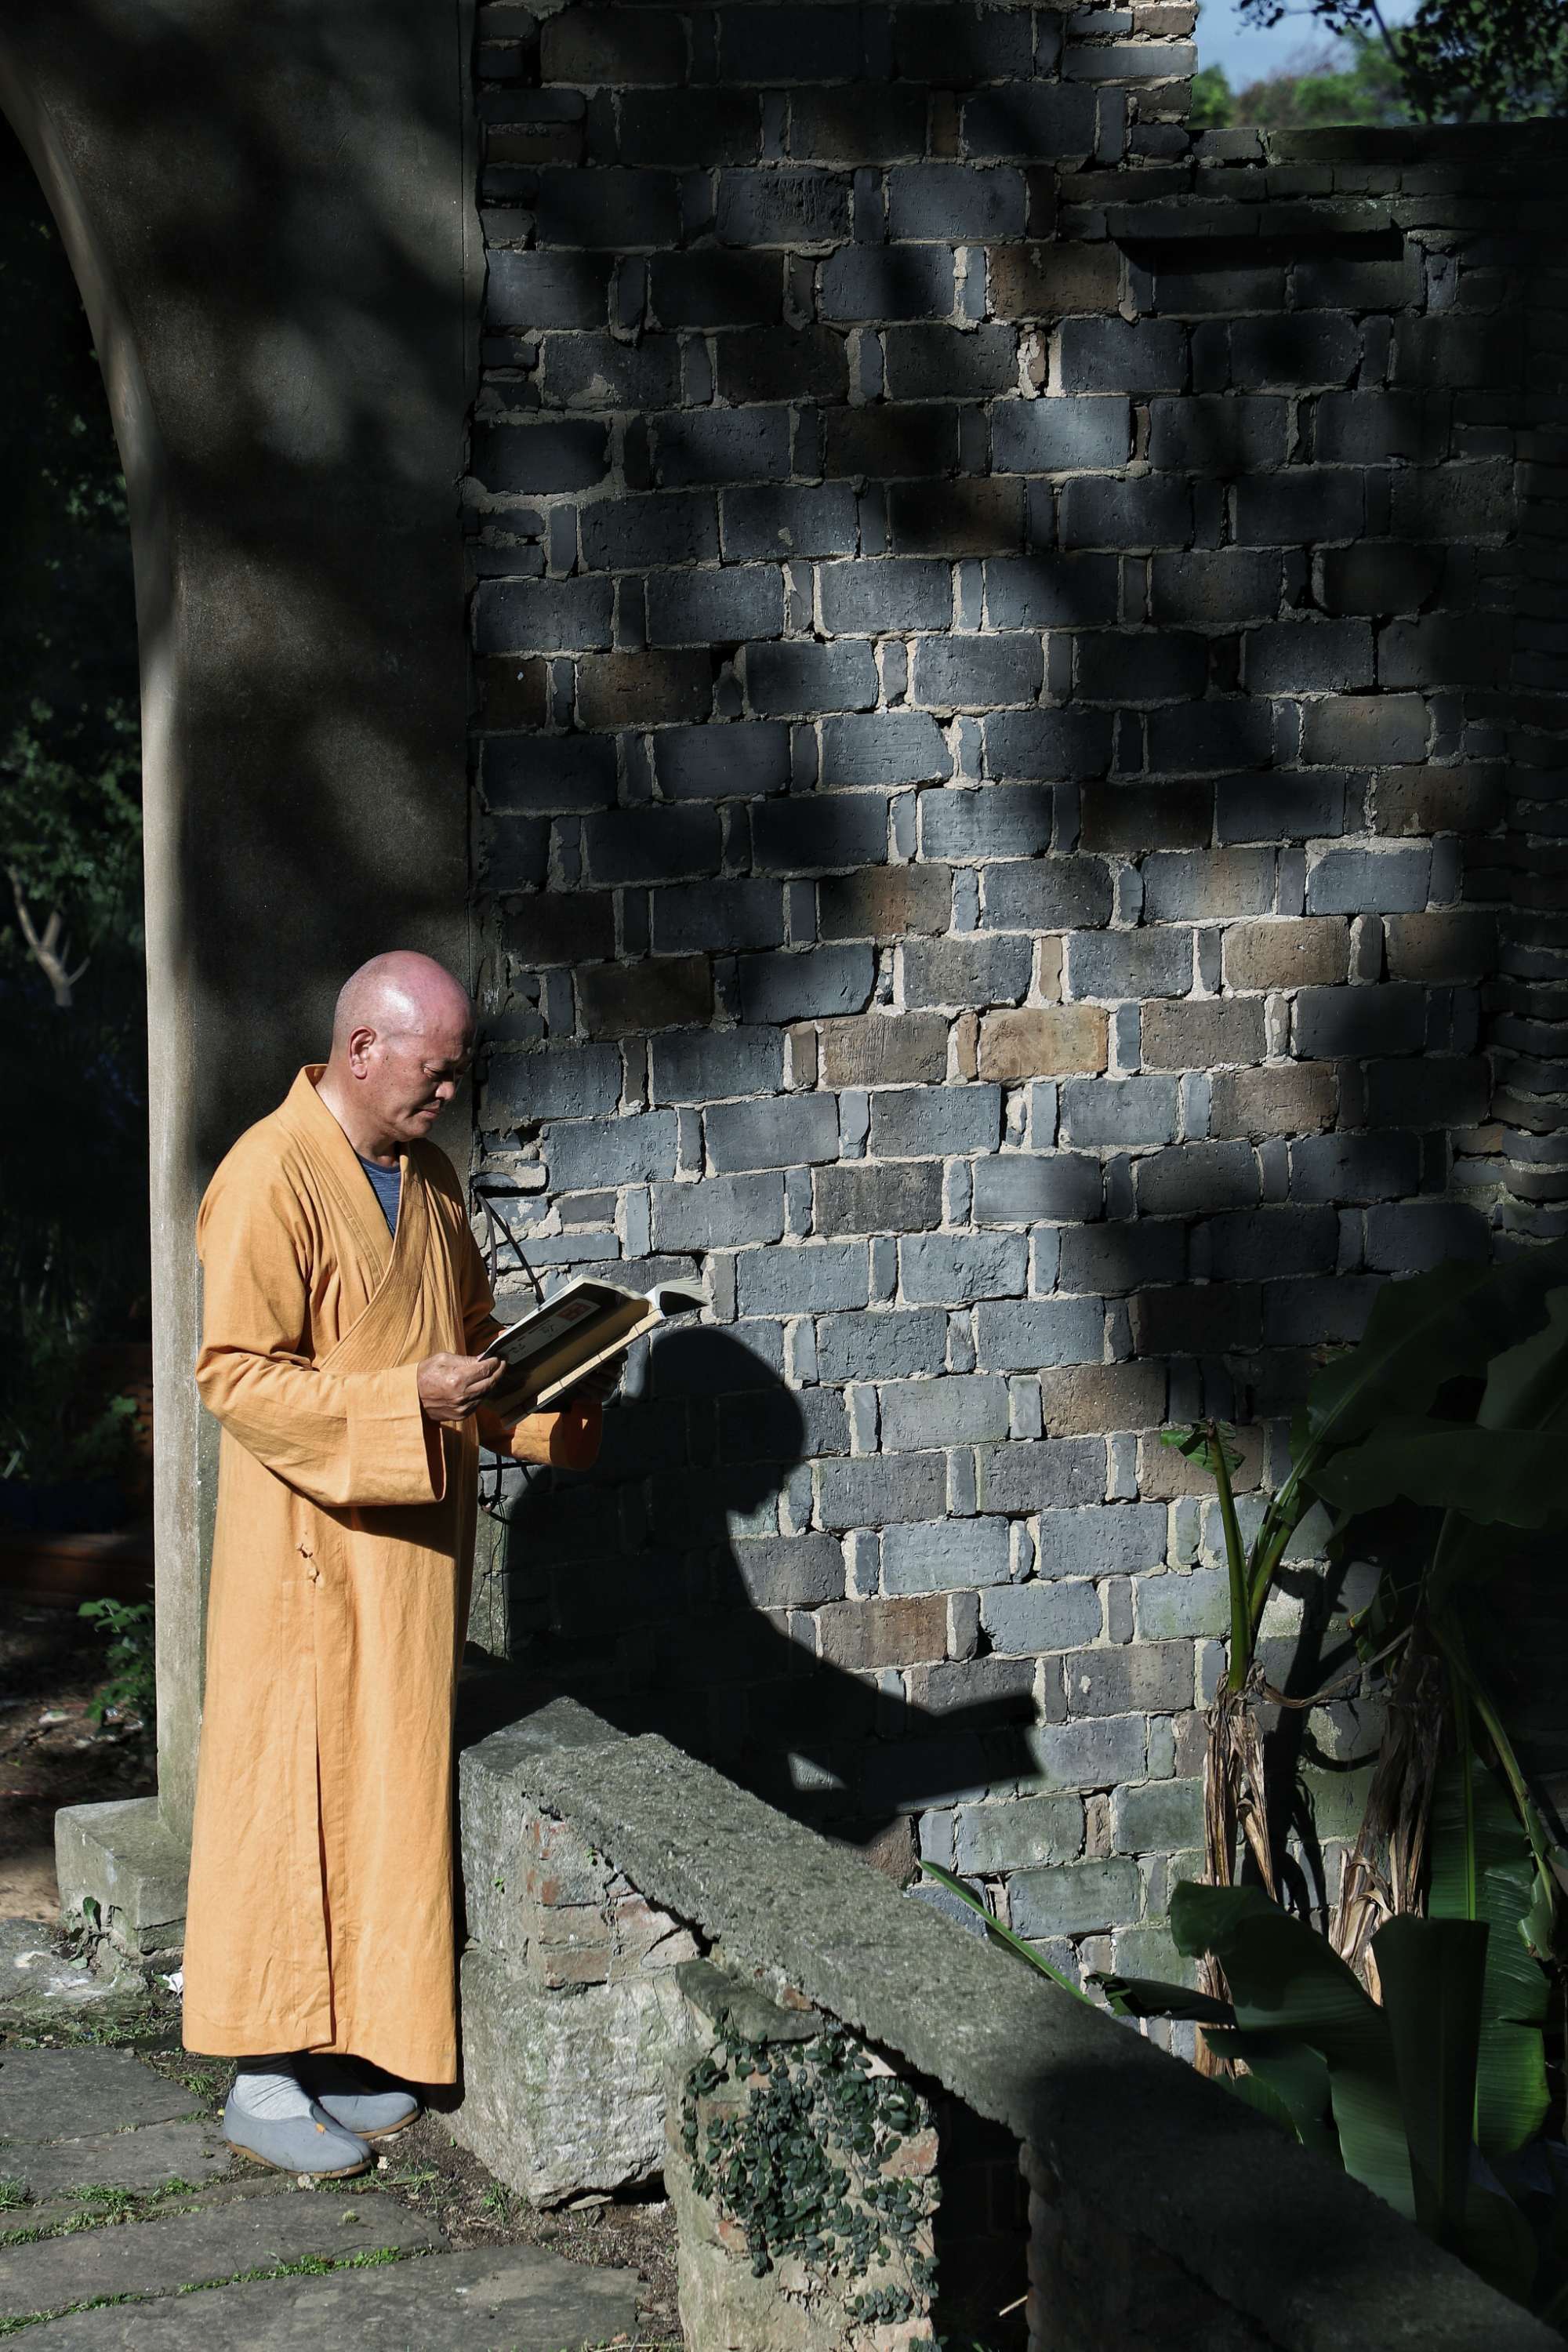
{"type": "Point", "coordinates": [346, 1306]}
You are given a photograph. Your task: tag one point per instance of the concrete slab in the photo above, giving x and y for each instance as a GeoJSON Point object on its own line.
{"type": "Point", "coordinates": [189, 2249]}
{"type": "Point", "coordinates": [48, 2094]}
{"type": "Point", "coordinates": [518, 2297]}
{"type": "Point", "coordinates": [33, 1975]}
{"type": "Point", "coordinates": [142, 2159]}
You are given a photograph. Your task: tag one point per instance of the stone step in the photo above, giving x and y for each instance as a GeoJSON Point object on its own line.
{"type": "Point", "coordinates": [52, 2213]}
{"type": "Point", "coordinates": [190, 2248]}
{"type": "Point", "coordinates": [139, 2160]}
{"type": "Point", "coordinates": [518, 2297]}
{"type": "Point", "coordinates": [50, 2094]}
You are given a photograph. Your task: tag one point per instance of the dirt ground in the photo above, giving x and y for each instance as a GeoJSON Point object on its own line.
{"type": "Point", "coordinates": [51, 1751]}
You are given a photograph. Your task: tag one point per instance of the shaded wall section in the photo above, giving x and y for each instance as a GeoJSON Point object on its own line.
{"type": "Point", "coordinates": [267, 211]}
{"type": "Point", "coordinates": [994, 622]}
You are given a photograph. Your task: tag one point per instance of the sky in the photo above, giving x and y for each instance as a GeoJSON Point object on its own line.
{"type": "Point", "coordinates": [1223, 39]}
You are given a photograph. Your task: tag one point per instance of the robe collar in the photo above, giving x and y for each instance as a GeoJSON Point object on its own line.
{"type": "Point", "coordinates": [319, 1130]}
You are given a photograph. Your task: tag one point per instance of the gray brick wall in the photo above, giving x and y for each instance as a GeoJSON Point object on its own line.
{"type": "Point", "coordinates": [994, 680]}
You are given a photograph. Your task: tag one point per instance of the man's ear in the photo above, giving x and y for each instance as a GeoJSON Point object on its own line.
{"type": "Point", "coordinates": [360, 1043]}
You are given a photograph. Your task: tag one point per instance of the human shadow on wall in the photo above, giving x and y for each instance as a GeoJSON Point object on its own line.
{"type": "Point", "coordinates": [659, 1591]}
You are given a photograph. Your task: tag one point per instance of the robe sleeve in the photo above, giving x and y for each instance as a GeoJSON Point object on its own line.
{"type": "Point", "coordinates": [344, 1440]}
{"type": "Point", "coordinates": [570, 1437]}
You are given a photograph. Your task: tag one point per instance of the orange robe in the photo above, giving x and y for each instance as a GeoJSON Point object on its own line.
{"type": "Point", "coordinates": [321, 1898]}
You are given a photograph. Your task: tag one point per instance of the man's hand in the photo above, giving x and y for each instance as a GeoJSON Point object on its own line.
{"type": "Point", "coordinates": [452, 1387]}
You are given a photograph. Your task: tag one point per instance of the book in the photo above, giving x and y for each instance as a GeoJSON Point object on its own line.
{"type": "Point", "coordinates": [582, 1326]}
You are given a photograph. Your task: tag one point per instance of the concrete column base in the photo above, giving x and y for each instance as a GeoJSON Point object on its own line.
{"type": "Point", "coordinates": [123, 1857]}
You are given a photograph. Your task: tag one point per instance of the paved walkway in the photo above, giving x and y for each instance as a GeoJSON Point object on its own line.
{"type": "Point", "coordinates": [132, 2203]}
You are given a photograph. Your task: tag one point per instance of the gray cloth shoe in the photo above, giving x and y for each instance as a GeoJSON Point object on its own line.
{"type": "Point", "coordinates": [313, 2143]}
{"type": "Point", "coordinates": [360, 2097]}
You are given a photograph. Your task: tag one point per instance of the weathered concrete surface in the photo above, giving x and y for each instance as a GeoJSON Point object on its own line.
{"type": "Point", "coordinates": [56, 2095]}
{"type": "Point", "coordinates": [142, 2159]}
{"type": "Point", "coordinates": [157, 2257]}
{"type": "Point", "coordinates": [1321, 2264]}
{"type": "Point", "coordinates": [562, 2092]}
{"type": "Point", "coordinates": [124, 1857]}
{"type": "Point", "coordinates": [33, 1976]}
{"type": "Point", "coordinates": [521, 2299]}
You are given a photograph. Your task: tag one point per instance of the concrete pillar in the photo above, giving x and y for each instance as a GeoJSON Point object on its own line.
{"type": "Point", "coordinates": [269, 216]}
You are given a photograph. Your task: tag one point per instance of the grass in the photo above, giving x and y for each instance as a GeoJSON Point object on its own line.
{"type": "Point", "coordinates": [101, 2208]}
{"type": "Point", "coordinates": [306, 2266]}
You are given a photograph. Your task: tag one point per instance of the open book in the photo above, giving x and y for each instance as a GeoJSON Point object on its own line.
{"type": "Point", "coordinates": [580, 1328]}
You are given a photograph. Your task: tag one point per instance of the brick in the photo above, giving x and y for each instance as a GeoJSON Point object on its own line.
{"type": "Point", "coordinates": [1455, 502]}
{"type": "Point", "coordinates": [513, 691]}
{"type": "Point", "coordinates": [1278, 808]}
{"type": "Point", "coordinates": [1195, 1604]}
{"type": "Point", "coordinates": [538, 290]}
{"type": "Point", "coordinates": [995, 1838]}
{"type": "Point", "coordinates": [562, 926]}
{"type": "Point", "coordinates": [893, 747]}
{"type": "Point", "coordinates": [1422, 1234]}
{"type": "Point", "coordinates": [792, 1131]}
{"type": "Point", "coordinates": [918, 1414]}
{"type": "Point", "coordinates": [812, 833]}
{"type": "Point", "coordinates": [1024, 1188]}
{"type": "Point", "coordinates": [716, 290]}
{"type": "Point", "coordinates": [719, 607]}
{"type": "Point", "coordinates": [1444, 650]}
{"type": "Point", "coordinates": [1042, 281]}
{"type": "Point", "coordinates": [967, 517]}
{"type": "Point", "coordinates": [859, 123]}
{"type": "Point", "coordinates": [701, 1066]}
{"type": "Point", "coordinates": [1031, 118]}
{"type": "Point", "coordinates": [608, 208]}
{"type": "Point", "coordinates": [944, 202]}
{"type": "Point", "coordinates": [782, 207]}
{"type": "Point", "coordinates": [1196, 1319]}
{"type": "Point", "coordinates": [1162, 665]}
{"type": "Point", "coordinates": [1193, 1177]}
{"type": "Point", "coordinates": [978, 968]}
{"type": "Point", "coordinates": [905, 1196]}
{"type": "Point", "coordinates": [594, 45]}
{"type": "Point", "coordinates": [651, 845]}
{"type": "Point", "coordinates": [1203, 1033]}
{"type": "Point", "coordinates": [1157, 1675]}
{"type": "Point", "coordinates": [1047, 894]}
{"type": "Point", "coordinates": [998, 821]}
{"type": "Point", "coordinates": [1298, 505]}
{"type": "Point", "coordinates": [1066, 743]}
{"type": "Point", "coordinates": [1083, 1755]}
{"type": "Point", "coordinates": [777, 522]}
{"type": "Point", "coordinates": [1297, 1100]}
{"type": "Point", "coordinates": [624, 534]}
{"type": "Point", "coordinates": [1291, 952]}
{"type": "Point", "coordinates": [627, 1000]}
{"type": "Point", "coordinates": [948, 363]}
{"type": "Point", "coordinates": [1059, 436]}
{"type": "Point", "coordinates": [1105, 1539]}
{"type": "Point", "coordinates": [1163, 1472]}
{"type": "Point", "coordinates": [802, 677]}
{"type": "Point", "coordinates": [1359, 1168]}
{"type": "Point", "coordinates": [956, 47]}
{"type": "Point", "coordinates": [887, 281]}
{"type": "Point", "coordinates": [1364, 729]}
{"type": "Point", "coordinates": [1264, 1245]}
{"type": "Point", "coordinates": [945, 1555]}
{"type": "Point", "coordinates": [897, 1345]}
{"type": "Point", "coordinates": [1161, 1817]}
{"type": "Point", "coordinates": [701, 126]}
{"type": "Point", "coordinates": [722, 1212]}
{"type": "Point", "coordinates": [865, 1635]}
{"type": "Point", "coordinates": [542, 615]}
{"type": "Point", "coordinates": [886, 905]}
{"type": "Point", "coordinates": [713, 764]}
{"type": "Point", "coordinates": [1130, 61]}
{"type": "Point", "coordinates": [817, 1277]}
{"type": "Point", "coordinates": [1123, 1256]}
{"type": "Point", "coordinates": [1431, 1092]}
{"type": "Point", "coordinates": [643, 689]}
{"type": "Point", "coordinates": [957, 1269]}
{"type": "Point", "coordinates": [1217, 434]}
{"type": "Point", "coordinates": [1106, 511]}
{"type": "Point", "coordinates": [795, 987]}
{"type": "Point", "coordinates": [1379, 577]}
{"type": "Point", "coordinates": [1044, 591]}
{"type": "Point", "coordinates": [977, 673]}
{"type": "Point", "coordinates": [1441, 946]}
{"type": "Point", "coordinates": [1362, 881]}
{"type": "Point", "coordinates": [1436, 800]}
{"type": "Point", "coordinates": [1028, 1619]}
{"type": "Point", "coordinates": [594, 1151]}
{"type": "Point", "coordinates": [1223, 733]}
{"type": "Point", "coordinates": [549, 771]}
{"type": "Point", "coordinates": [1293, 352]}
{"type": "Point", "coordinates": [1123, 355]}
{"type": "Point", "coordinates": [881, 1049]}
{"type": "Point", "coordinates": [1140, 963]}
{"type": "Point", "coordinates": [1309, 657]}
{"type": "Point", "coordinates": [1119, 1110]}
{"type": "Point", "coordinates": [907, 1122]}
{"type": "Point", "coordinates": [874, 598]}
{"type": "Point", "coordinates": [782, 362]}
{"type": "Point", "coordinates": [1087, 1399]}
{"type": "Point", "coordinates": [1042, 1041]}
{"type": "Point", "coordinates": [1209, 886]}
{"type": "Point", "coordinates": [1021, 1336]}
{"type": "Point", "coordinates": [1214, 590]}
{"type": "Point", "coordinates": [551, 1082]}
{"type": "Point", "coordinates": [540, 456]}
{"type": "Point", "coordinates": [789, 1571]}
{"type": "Point", "coordinates": [1132, 818]}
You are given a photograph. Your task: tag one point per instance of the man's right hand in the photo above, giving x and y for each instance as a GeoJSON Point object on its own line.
{"type": "Point", "coordinates": [451, 1387]}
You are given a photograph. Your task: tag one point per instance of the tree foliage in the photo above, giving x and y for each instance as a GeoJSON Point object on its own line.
{"type": "Point", "coordinates": [1454, 61]}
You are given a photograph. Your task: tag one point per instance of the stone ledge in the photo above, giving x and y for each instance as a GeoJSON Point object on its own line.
{"type": "Point", "coordinates": [125, 1858]}
{"type": "Point", "coordinates": [1321, 2263]}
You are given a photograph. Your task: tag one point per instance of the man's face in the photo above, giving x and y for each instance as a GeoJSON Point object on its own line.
{"type": "Point", "coordinates": [409, 1077]}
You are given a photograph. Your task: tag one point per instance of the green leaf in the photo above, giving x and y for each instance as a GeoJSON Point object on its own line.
{"type": "Point", "coordinates": [1431, 1972]}
{"type": "Point", "coordinates": [1149, 1997]}
{"type": "Point", "coordinates": [1516, 1478]}
{"type": "Point", "coordinates": [1291, 2075]}
{"type": "Point", "coordinates": [1002, 1934]}
{"type": "Point", "coordinates": [1483, 1869]}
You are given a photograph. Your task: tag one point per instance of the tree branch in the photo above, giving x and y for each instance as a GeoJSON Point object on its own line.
{"type": "Point", "coordinates": [49, 951]}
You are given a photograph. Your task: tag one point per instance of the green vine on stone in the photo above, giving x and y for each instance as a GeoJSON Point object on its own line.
{"type": "Point", "coordinates": [801, 2168]}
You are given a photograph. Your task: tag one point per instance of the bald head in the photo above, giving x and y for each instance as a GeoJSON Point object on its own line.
{"type": "Point", "coordinates": [403, 1033]}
